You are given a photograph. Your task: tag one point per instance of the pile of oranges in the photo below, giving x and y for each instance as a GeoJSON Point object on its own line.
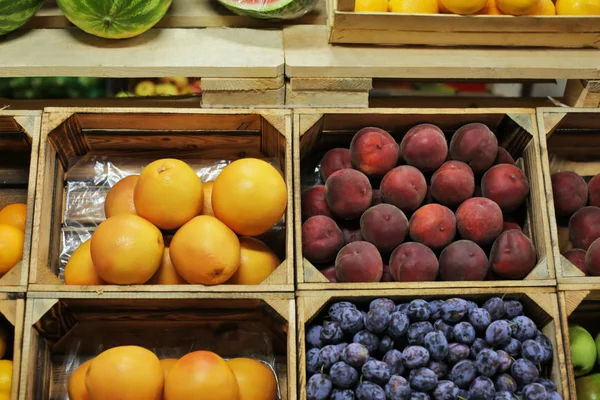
{"type": "Point", "coordinates": [6, 366]}
{"type": "Point", "coordinates": [482, 7]}
{"type": "Point", "coordinates": [165, 226]}
{"type": "Point", "coordinates": [132, 372]}
{"type": "Point", "coordinates": [12, 235]}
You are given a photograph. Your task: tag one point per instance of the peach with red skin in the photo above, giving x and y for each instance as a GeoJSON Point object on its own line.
{"type": "Point", "coordinates": [404, 187]}
{"type": "Point", "coordinates": [385, 226]}
{"type": "Point", "coordinates": [434, 225]}
{"type": "Point", "coordinates": [321, 239]}
{"type": "Point", "coordinates": [413, 262]}
{"type": "Point", "coordinates": [577, 258]}
{"type": "Point", "coordinates": [358, 262]}
{"type": "Point", "coordinates": [592, 259]}
{"type": "Point", "coordinates": [503, 157]}
{"type": "Point", "coordinates": [377, 199]}
{"type": "Point", "coordinates": [513, 255]}
{"type": "Point", "coordinates": [373, 151]}
{"type": "Point", "coordinates": [507, 185]}
{"type": "Point", "coordinates": [314, 203]}
{"type": "Point", "coordinates": [452, 183]}
{"type": "Point", "coordinates": [329, 273]}
{"type": "Point", "coordinates": [348, 193]}
{"type": "Point", "coordinates": [510, 223]}
{"type": "Point", "coordinates": [463, 260]}
{"type": "Point", "coordinates": [476, 145]}
{"type": "Point", "coordinates": [570, 192]}
{"type": "Point", "coordinates": [584, 227]}
{"type": "Point", "coordinates": [480, 220]}
{"type": "Point", "coordinates": [334, 160]}
{"type": "Point", "coordinates": [424, 146]}
{"type": "Point", "coordinates": [594, 191]}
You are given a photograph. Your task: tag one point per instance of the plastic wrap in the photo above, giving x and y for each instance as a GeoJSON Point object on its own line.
{"type": "Point", "coordinates": [91, 177]}
{"type": "Point", "coordinates": [270, 9]}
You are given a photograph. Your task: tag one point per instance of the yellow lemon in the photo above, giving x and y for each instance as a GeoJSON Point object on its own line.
{"type": "Point", "coordinates": [371, 5]}
{"type": "Point", "coordinates": [546, 7]}
{"type": "Point", "coordinates": [463, 7]}
{"type": "Point", "coordinates": [490, 9]}
{"type": "Point", "coordinates": [6, 368]}
{"type": "Point", "coordinates": [414, 6]}
{"type": "Point", "coordinates": [578, 7]}
{"type": "Point", "coordinates": [517, 7]}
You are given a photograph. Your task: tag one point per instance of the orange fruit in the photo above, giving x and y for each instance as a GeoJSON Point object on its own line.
{"type": "Point", "coordinates": [76, 387]}
{"type": "Point", "coordinates": [126, 250]}
{"type": "Point", "coordinates": [546, 7]}
{"type": "Point", "coordinates": [126, 373]}
{"type": "Point", "coordinates": [119, 199]}
{"type": "Point", "coordinates": [442, 8]}
{"type": "Point", "coordinates": [578, 7]}
{"type": "Point", "coordinates": [6, 370]}
{"type": "Point", "coordinates": [249, 196]}
{"type": "Point", "coordinates": [15, 215]}
{"type": "Point", "coordinates": [257, 262]}
{"type": "Point", "coordinates": [371, 5]}
{"type": "Point", "coordinates": [80, 269]}
{"type": "Point", "coordinates": [205, 251]}
{"type": "Point", "coordinates": [463, 7]}
{"type": "Point", "coordinates": [414, 6]}
{"type": "Point", "coordinates": [517, 7]}
{"type": "Point", "coordinates": [5, 396]}
{"type": "Point", "coordinates": [166, 274]}
{"type": "Point", "coordinates": [11, 247]}
{"type": "Point", "coordinates": [167, 364]}
{"type": "Point", "coordinates": [201, 375]}
{"type": "Point", "coordinates": [490, 9]}
{"type": "Point", "coordinates": [255, 379]}
{"type": "Point", "coordinates": [168, 193]}
{"type": "Point", "coordinates": [207, 208]}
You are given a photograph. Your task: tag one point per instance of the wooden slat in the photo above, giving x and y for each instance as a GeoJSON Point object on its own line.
{"type": "Point", "coordinates": [211, 52]}
{"type": "Point", "coordinates": [308, 55]}
{"type": "Point", "coordinates": [262, 98]}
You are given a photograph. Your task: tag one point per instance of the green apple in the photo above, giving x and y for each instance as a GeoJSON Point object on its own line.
{"type": "Point", "coordinates": [583, 350]}
{"type": "Point", "coordinates": [588, 387]}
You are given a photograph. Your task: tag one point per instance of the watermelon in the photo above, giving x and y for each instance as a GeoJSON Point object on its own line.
{"type": "Point", "coordinates": [270, 9]}
{"type": "Point", "coordinates": [114, 19]}
{"type": "Point", "coordinates": [15, 13]}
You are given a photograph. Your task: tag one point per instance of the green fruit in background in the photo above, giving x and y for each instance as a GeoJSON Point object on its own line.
{"type": "Point", "coordinates": [114, 19]}
{"type": "Point", "coordinates": [583, 350]}
{"type": "Point", "coordinates": [15, 13]}
{"type": "Point", "coordinates": [598, 348]}
{"type": "Point", "coordinates": [270, 9]}
{"type": "Point", "coordinates": [588, 387]}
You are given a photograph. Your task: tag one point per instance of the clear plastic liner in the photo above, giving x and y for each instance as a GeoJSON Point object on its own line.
{"type": "Point", "coordinates": [89, 179]}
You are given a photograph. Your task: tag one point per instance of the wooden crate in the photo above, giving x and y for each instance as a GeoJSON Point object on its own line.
{"type": "Point", "coordinates": [571, 145]}
{"type": "Point", "coordinates": [62, 328]}
{"type": "Point", "coordinates": [321, 129]}
{"type": "Point", "coordinates": [540, 305]}
{"type": "Point", "coordinates": [151, 133]}
{"type": "Point", "coordinates": [347, 26]}
{"type": "Point", "coordinates": [19, 143]}
{"type": "Point", "coordinates": [582, 306]}
{"type": "Point", "coordinates": [12, 316]}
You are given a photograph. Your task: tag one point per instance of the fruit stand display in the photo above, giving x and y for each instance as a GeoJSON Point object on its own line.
{"type": "Point", "coordinates": [403, 254]}
{"type": "Point", "coordinates": [65, 330]}
{"type": "Point", "coordinates": [19, 140]}
{"type": "Point", "coordinates": [12, 313]}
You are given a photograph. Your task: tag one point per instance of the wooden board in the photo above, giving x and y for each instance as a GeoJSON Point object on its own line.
{"type": "Point", "coordinates": [317, 130]}
{"type": "Point", "coordinates": [63, 331]}
{"type": "Point", "coordinates": [19, 146]}
{"type": "Point", "coordinates": [210, 52]}
{"type": "Point", "coordinates": [540, 305]}
{"type": "Point", "coordinates": [185, 14]}
{"type": "Point", "coordinates": [131, 138]}
{"type": "Point", "coordinates": [571, 145]}
{"type": "Point", "coordinates": [308, 55]}
{"type": "Point", "coordinates": [12, 317]}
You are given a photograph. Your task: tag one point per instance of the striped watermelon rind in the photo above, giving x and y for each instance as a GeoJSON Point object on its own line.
{"type": "Point", "coordinates": [15, 13]}
{"type": "Point", "coordinates": [114, 19]}
{"type": "Point", "coordinates": [282, 9]}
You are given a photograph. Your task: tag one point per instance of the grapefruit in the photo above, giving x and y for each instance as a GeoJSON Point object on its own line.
{"type": "Point", "coordinates": [517, 7]}
{"type": "Point", "coordinates": [11, 247]}
{"type": "Point", "coordinates": [80, 269]}
{"type": "Point", "coordinates": [76, 387]}
{"type": "Point", "coordinates": [546, 7]}
{"type": "Point", "coordinates": [167, 364]}
{"type": "Point", "coordinates": [463, 7]}
{"type": "Point", "coordinates": [168, 193]}
{"type": "Point", "coordinates": [255, 379]}
{"type": "Point", "coordinates": [15, 215]}
{"type": "Point", "coordinates": [119, 199]}
{"type": "Point", "coordinates": [207, 208]}
{"type": "Point", "coordinates": [125, 373]}
{"type": "Point", "coordinates": [201, 375]}
{"type": "Point", "coordinates": [126, 250]}
{"type": "Point", "coordinates": [257, 262]}
{"type": "Point", "coordinates": [166, 274]}
{"type": "Point", "coordinates": [414, 6]}
{"type": "Point", "coordinates": [6, 370]}
{"type": "Point", "coordinates": [205, 251]}
{"type": "Point", "coordinates": [249, 196]}
{"type": "Point", "coordinates": [578, 7]}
